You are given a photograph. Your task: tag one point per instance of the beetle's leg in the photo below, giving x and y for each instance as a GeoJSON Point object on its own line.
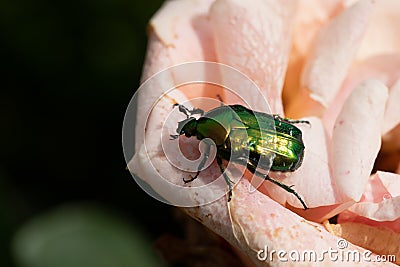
{"type": "Point", "coordinates": [189, 112]}
{"type": "Point", "coordinates": [197, 111]}
{"type": "Point", "coordinates": [227, 180]}
{"type": "Point", "coordinates": [173, 136]}
{"type": "Point", "coordinates": [279, 118]}
{"type": "Point", "coordinates": [202, 163]}
{"type": "Point", "coordinates": [251, 167]}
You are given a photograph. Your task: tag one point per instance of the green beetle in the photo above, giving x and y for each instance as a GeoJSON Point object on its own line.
{"type": "Point", "coordinates": [246, 137]}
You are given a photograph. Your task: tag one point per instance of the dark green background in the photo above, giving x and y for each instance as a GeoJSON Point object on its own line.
{"type": "Point", "coordinates": [69, 69]}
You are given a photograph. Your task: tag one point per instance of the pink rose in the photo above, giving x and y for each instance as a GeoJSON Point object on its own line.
{"type": "Point", "coordinates": [334, 63]}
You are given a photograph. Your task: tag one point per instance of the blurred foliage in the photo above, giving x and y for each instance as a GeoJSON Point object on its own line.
{"type": "Point", "coordinates": [69, 69]}
{"type": "Point", "coordinates": [82, 236]}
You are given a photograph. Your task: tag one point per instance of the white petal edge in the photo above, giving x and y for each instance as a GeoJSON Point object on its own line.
{"type": "Point", "coordinates": [356, 137]}
{"type": "Point", "coordinates": [333, 52]}
{"type": "Point", "coordinates": [392, 112]}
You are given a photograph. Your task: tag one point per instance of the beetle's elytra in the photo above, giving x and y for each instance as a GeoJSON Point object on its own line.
{"type": "Point", "coordinates": [247, 137]}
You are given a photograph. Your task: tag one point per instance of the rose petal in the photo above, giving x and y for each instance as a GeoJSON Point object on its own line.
{"type": "Point", "coordinates": [325, 71]}
{"type": "Point", "coordinates": [385, 68]}
{"type": "Point", "coordinates": [185, 32]}
{"type": "Point", "coordinates": [252, 36]}
{"type": "Point", "coordinates": [149, 163]}
{"type": "Point", "coordinates": [384, 190]}
{"type": "Point", "coordinates": [348, 216]}
{"type": "Point", "coordinates": [379, 240]}
{"type": "Point", "coordinates": [174, 47]}
{"type": "Point", "coordinates": [310, 17]}
{"type": "Point", "coordinates": [392, 112]}
{"type": "Point", "coordinates": [260, 223]}
{"type": "Point", "coordinates": [356, 138]}
{"type": "Point", "coordinates": [376, 190]}
{"type": "Point", "coordinates": [387, 210]}
{"type": "Point", "coordinates": [313, 174]}
{"type": "Point", "coordinates": [383, 33]}
{"type": "Point", "coordinates": [391, 182]}
{"type": "Point", "coordinates": [179, 32]}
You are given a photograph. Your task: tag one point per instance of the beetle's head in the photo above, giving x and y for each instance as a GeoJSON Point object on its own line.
{"type": "Point", "coordinates": [187, 127]}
